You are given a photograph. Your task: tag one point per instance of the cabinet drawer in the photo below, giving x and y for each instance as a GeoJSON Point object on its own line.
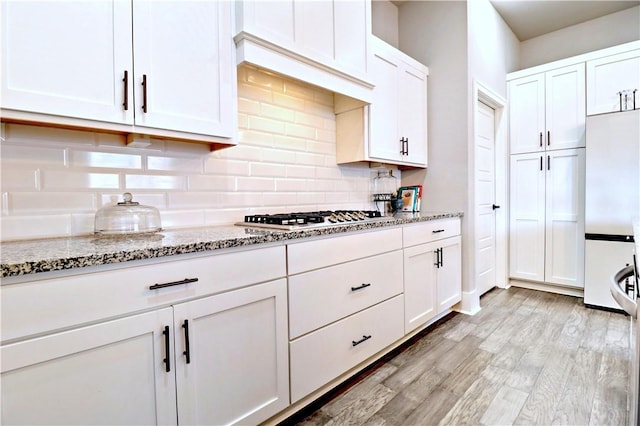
{"type": "Point", "coordinates": [323, 355]}
{"type": "Point", "coordinates": [309, 255]}
{"type": "Point", "coordinates": [426, 232]}
{"type": "Point", "coordinates": [320, 297]}
{"type": "Point", "coordinates": [45, 305]}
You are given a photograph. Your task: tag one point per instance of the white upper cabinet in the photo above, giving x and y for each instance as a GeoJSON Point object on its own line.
{"type": "Point", "coordinates": [547, 110]}
{"type": "Point", "coordinates": [159, 68]}
{"type": "Point", "coordinates": [393, 129]}
{"type": "Point", "coordinates": [320, 42]}
{"type": "Point", "coordinates": [68, 59]}
{"type": "Point", "coordinates": [613, 83]}
{"type": "Point", "coordinates": [183, 51]}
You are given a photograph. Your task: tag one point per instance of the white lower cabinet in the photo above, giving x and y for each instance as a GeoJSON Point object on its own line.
{"type": "Point", "coordinates": [345, 304]}
{"type": "Point", "coordinates": [321, 356]}
{"type": "Point", "coordinates": [108, 373]}
{"type": "Point", "coordinates": [547, 217]}
{"type": "Point", "coordinates": [432, 272]}
{"type": "Point", "coordinates": [231, 356]}
{"type": "Point", "coordinates": [189, 357]}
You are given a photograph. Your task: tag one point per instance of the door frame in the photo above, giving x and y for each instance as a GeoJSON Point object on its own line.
{"type": "Point", "coordinates": [482, 93]}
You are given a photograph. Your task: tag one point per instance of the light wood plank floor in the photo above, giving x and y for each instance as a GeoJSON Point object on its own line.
{"type": "Point", "coordinates": [527, 358]}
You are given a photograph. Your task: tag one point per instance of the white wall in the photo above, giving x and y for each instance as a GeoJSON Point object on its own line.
{"type": "Point", "coordinates": [435, 33]}
{"type": "Point", "coordinates": [54, 180]}
{"type": "Point", "coordinates": [384, 21]}
{"type": "Point", "coordinates": [611, 30]}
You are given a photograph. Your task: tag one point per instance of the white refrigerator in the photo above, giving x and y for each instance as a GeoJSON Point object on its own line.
{"type": "Point", "coordinates": [611, 200]}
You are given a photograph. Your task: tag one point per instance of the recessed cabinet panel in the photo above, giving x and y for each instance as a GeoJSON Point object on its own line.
{"type": "Point", "coordinates": [45, 67]}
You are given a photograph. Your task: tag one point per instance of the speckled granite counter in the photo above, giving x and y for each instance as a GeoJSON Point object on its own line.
{"type": "Point", "coordinates": [56, 254]}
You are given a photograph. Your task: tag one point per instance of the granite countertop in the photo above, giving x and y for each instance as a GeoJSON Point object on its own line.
{"type": "Point", "coordinates": [34, 256]}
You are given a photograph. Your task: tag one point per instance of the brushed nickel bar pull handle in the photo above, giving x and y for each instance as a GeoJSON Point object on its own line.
{"type": "Point", "coordinates": [170, 284]}
{"type": "Point", "coordinates": [144, 93]}
{"type": "Point", "coordinates": [540, 139]}
{"type": "Point", "coordinates": [364, 339]}
{"type": "Point", "coordinates": [360, 287]}
{"type": "Point", "coordinates": [548, 137]}
{"type": "Point", "coordinates": [125, 104]}
{"type": "Point", "coordinates": [548, 162]}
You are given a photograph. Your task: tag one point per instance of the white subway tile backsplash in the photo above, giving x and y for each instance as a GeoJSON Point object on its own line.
{"type": "Point", "coordinates": [300, 131]}
{"type": "Point", "coordinates": [104, 160]}
{"type": "Point", "coordinates": [281, 156]}
{"type": "Point", "coordinates": [225, 167]}
{"type": "Point", "coordinates": [211, 183]}
{"type": "Point", "coordinates": [133, 182]}
{"type": "Point", "coordinates": [20, 178]}
{"type": "Point", "coordinates": [268, 125]}
{"type": "Point", "coordinates": [53, 180]}
{"type": "Point", "coordinates": [75, 180]}
{"type": "Point", "coordinates": [30, 203]}
{"type": "Point", "coordinates": [267, 169]}
{"type": "Point", "coordinates": [256, 184]}
{"type": "Point", "coordinates": [176, 164]}
{"type": "Point", "coordinates": [288, 101]}
{"type": "Point", "coordinates": [301, 171]}
{"type": "Point", "coordinates": [36, 226]}
{"type": "Point", "coordinates": [209, 200]}
{"type": "Point", "coordinates": [275, 112]}
{"type": "Point", "coordinates": [29, 154]}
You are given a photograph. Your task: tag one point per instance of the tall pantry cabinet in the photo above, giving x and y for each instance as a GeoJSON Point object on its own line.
{"type": "Point", "coordinates": [547, 140]}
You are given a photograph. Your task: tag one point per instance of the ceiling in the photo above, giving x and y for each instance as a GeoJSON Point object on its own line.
{"type": "Point", "coordinates": [531, 18]}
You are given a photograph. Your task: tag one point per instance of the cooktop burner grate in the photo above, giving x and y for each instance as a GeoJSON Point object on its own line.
{"type": "Point", "coordinates": [309, 219]}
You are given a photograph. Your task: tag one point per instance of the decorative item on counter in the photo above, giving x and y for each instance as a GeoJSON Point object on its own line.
{"type": "Point", "coordinates": [409, 198]}
{"type": "Point", "coordinates": [127, 217]}
{"type": "Point", "coordinates": [385, 186]}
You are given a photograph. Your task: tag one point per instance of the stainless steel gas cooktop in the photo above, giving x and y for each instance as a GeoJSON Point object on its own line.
{"type": "Point", "coordinates": [306, 220]}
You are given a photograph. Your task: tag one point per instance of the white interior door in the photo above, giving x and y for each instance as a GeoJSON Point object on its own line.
{"type": "Point", "coordinates": [485, 234]}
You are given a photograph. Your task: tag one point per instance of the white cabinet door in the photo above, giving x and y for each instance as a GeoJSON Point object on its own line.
{"type": "Point", "coordinates": [564, 217]}
{"type": "Point", "coordinates": [449, 288]}
{"type": "Point", "coordinates": [351, 36]}
{"type": "Point", "coordinates": [68, 58]}
{"type": "Point", "coordinates": [527, 221]}
{"type": "Point", "coordinates": [184, 68]}
{"type": "Point", "coordinates": [420, 275]}
{"type": "Point", "coordinates": [109, 373]}
{"type": "Point", "coordinates": [547, 217]}
{"type": "Point", "coordinates": [384, 137]}
{"type": "Point", "coordinates": [527, 114]}
{"type": "Point", "coordinates": [269, 20]}
{"type": "Point", "coordinates": [237, 365]}
{"type": "Point", "coordinates": [412, 114]}
{"type": "Point", "coordinates": [547, 110]}
{"type": "Point", "coordinates": [565, 107]}
{"type": "Point", "coordinates": [607, 77]}
{"type": "Point", "coordinates": [398, 113]}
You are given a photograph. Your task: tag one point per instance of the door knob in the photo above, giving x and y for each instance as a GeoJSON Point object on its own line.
{"type": "Point", "coordinates": [493, 206]}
